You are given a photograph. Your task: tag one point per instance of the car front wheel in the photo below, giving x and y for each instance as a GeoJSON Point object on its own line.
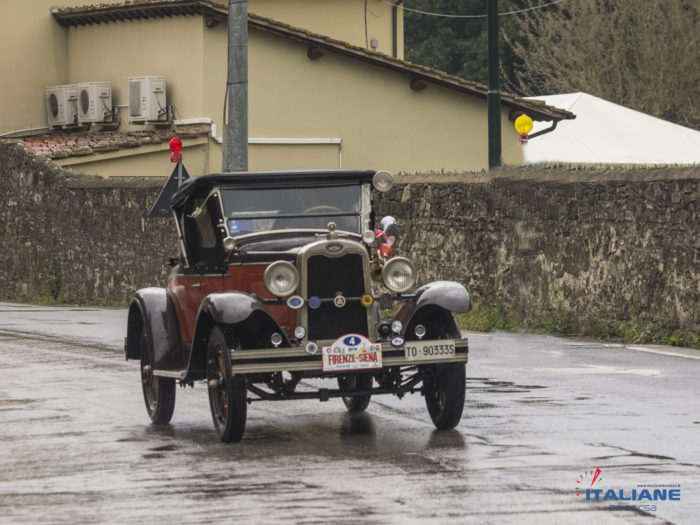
{"type": "Point", "coordinates": [227, 392]}
{"type": "Point", "coordinates": [158, 392]}
{"type": "Point", "coordinates": [444, 391]}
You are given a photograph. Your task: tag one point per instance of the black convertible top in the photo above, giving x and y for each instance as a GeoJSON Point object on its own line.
{"type": "Point", "coordinates": [206, 182]}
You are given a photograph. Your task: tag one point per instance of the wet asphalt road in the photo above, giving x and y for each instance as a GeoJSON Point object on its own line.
{"type": "Point", "coordinates": [76, 445]}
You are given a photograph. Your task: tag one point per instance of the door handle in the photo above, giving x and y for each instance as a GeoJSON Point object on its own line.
{"type": "Point", "coordinates": [196, 285]}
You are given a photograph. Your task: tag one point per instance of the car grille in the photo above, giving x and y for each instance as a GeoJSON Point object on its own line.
{"type": "Point", "coordinates": [327, 276]}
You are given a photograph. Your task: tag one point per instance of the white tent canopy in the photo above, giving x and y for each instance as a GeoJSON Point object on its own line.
{"type": "Point", "coordinates": [605, 133]}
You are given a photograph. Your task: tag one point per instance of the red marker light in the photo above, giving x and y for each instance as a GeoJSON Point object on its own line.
{"type": "Point", "coordinates": [175, 144]}
{"type": "Point", "coordinates": [175, 147]}
{"type": "Point", "coordinates": [385, 250]}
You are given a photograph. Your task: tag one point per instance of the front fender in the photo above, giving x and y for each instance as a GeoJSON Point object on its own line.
{"type": "Point", "coordinates": [449, 295]}
{"type": "Point", "coordinates": [153, 310]}
{"type": "Point", "coordinates": [247, 316]}
{"type": "Point", "coordinates": [230, 307]}
{"type": "Point", "coordinates": [433, 304]}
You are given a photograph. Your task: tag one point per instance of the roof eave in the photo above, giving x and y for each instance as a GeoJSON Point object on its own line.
{"type": "Point", "coordinates": [77, 16]}
{"type": "Point", "coordinates": [545, 113]}
{"type": "Point", "coordinates": [99, 14]}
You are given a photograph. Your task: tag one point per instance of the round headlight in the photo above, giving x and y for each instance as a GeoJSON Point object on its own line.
{"type": "Point", "coordinates": [368, 237]}
{"type": "Point", "coordinates": [382, 181]}
{"type": "Point", "coordinates": [281, 278]}
{"type": "Point", "coordinates": [399, 275]}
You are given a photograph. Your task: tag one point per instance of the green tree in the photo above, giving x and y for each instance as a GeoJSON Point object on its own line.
{"type": "Point", "coordinates": [457, 45]}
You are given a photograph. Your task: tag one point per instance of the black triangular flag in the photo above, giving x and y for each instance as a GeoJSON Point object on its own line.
{"type": "Point", "coordinates": [161, 208]}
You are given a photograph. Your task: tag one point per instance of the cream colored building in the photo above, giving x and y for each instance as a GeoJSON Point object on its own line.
{"type": "Point", "coordinates": [327, 87]}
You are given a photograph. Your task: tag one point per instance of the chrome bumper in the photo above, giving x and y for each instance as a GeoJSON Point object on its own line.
{"type": "Point", "coordinates": [296, 359]}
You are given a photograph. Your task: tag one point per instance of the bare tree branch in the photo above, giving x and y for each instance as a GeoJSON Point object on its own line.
{"type": "Point", "coordinates": [639, 53]}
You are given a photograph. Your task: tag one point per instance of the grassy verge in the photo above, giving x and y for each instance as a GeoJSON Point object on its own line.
{"type": "Point", "coordinates": [559, 320]}
{"type": "Point", "coordinates": [487, 317]}
{"type": "Point", "coordinates": [44, 300]}
{"type": "Point", "coordinates": [484, 317]}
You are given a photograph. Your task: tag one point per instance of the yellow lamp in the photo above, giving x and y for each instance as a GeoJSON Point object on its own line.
{"type": "Point", "coordinates": [523, 124]}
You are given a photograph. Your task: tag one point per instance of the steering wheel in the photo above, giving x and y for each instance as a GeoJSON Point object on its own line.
{"type": "Point", "coordinates": [344, 223]}
{"type": "Point", "coordinates": [322, 208]}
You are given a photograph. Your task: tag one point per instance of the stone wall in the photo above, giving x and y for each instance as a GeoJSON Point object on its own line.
{"type": "Point", "coordinates": [79, 238]}
{"type": "Point", "coordinates": [617, 244]}
{"type": "Point", "coordinates": [621, 244]}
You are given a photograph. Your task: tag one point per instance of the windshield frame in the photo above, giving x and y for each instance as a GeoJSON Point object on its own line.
{"type": "Point", "coordinates": [364, 212]}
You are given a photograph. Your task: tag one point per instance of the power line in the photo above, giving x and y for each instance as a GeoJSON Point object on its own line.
{"type": "Point", "coordinates": [530, 8]}
{"type": "Point", "coordinates": [442, 15]}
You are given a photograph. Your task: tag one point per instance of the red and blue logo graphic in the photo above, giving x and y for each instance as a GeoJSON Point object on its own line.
{"type": "Point", "coordinates": [583, 482]}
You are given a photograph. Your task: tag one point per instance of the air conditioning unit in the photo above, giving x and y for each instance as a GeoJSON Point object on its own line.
{"type": "Point", "coordinates": [94, 102]}
{"type": "Point", "coordinates": [147, 101]}
{"type": "Point", "coordinates": [62, 105]}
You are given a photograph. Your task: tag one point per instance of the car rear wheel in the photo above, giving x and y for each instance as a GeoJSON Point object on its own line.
{"type": "Point", "coordinates": [227, 392]}
{"type": "Point", "coordinates": [158, 392]}
{"type": "Point", "coordinates": [359, 403]}
{"type": "Point", "coordinates": [444, 390]}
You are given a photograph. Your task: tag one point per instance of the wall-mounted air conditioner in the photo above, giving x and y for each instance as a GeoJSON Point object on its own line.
{"type": "Point", "coordinates": [62, 105]}
{"type": "Point", "coordinates": [147, 101]}
{"type": "Point", "coordinates": [94, 102]}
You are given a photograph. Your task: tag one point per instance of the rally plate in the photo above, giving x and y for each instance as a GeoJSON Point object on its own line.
{"type": "Point", "coordinates": [429, 350]}
{"type": "Point", "coordinates": [351, 352]}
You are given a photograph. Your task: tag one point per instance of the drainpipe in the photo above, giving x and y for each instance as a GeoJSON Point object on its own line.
{"type": "Point", "coordinates": [548, 130]}
{"type": "Point", "coordinates": [395, 28]}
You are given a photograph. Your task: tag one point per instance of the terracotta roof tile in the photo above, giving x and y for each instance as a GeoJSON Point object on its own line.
{"type": "Point", "coordinates": [61, 145]}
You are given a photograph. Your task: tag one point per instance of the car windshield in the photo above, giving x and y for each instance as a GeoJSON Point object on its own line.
{"type": "Point", "coordinates": [252, 210]}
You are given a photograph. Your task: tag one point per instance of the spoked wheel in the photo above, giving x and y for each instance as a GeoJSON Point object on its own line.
{"type": "Point", "coordinates": [158, 392]}
{"type": "Point", "coordinates": [227, 392]}
{"type": "Point", "coordinates": [356, 404]}
{"type": "Point", "coordinates": [444, 391]}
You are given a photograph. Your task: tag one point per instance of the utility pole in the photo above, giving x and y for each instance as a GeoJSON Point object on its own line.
{"type": "Point", "coordinates": [235, 146]}
{"type": "Point", "coordinates": [494, 93]}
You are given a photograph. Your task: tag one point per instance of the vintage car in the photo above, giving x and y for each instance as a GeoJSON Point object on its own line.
{"type": "Point", "coordinates": [284, 277]}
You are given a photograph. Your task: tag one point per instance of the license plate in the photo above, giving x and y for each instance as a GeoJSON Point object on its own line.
{"type": "Point", "coordinates": [429, 350]}
{"type": "Point", "coordinates": [352, 352]}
